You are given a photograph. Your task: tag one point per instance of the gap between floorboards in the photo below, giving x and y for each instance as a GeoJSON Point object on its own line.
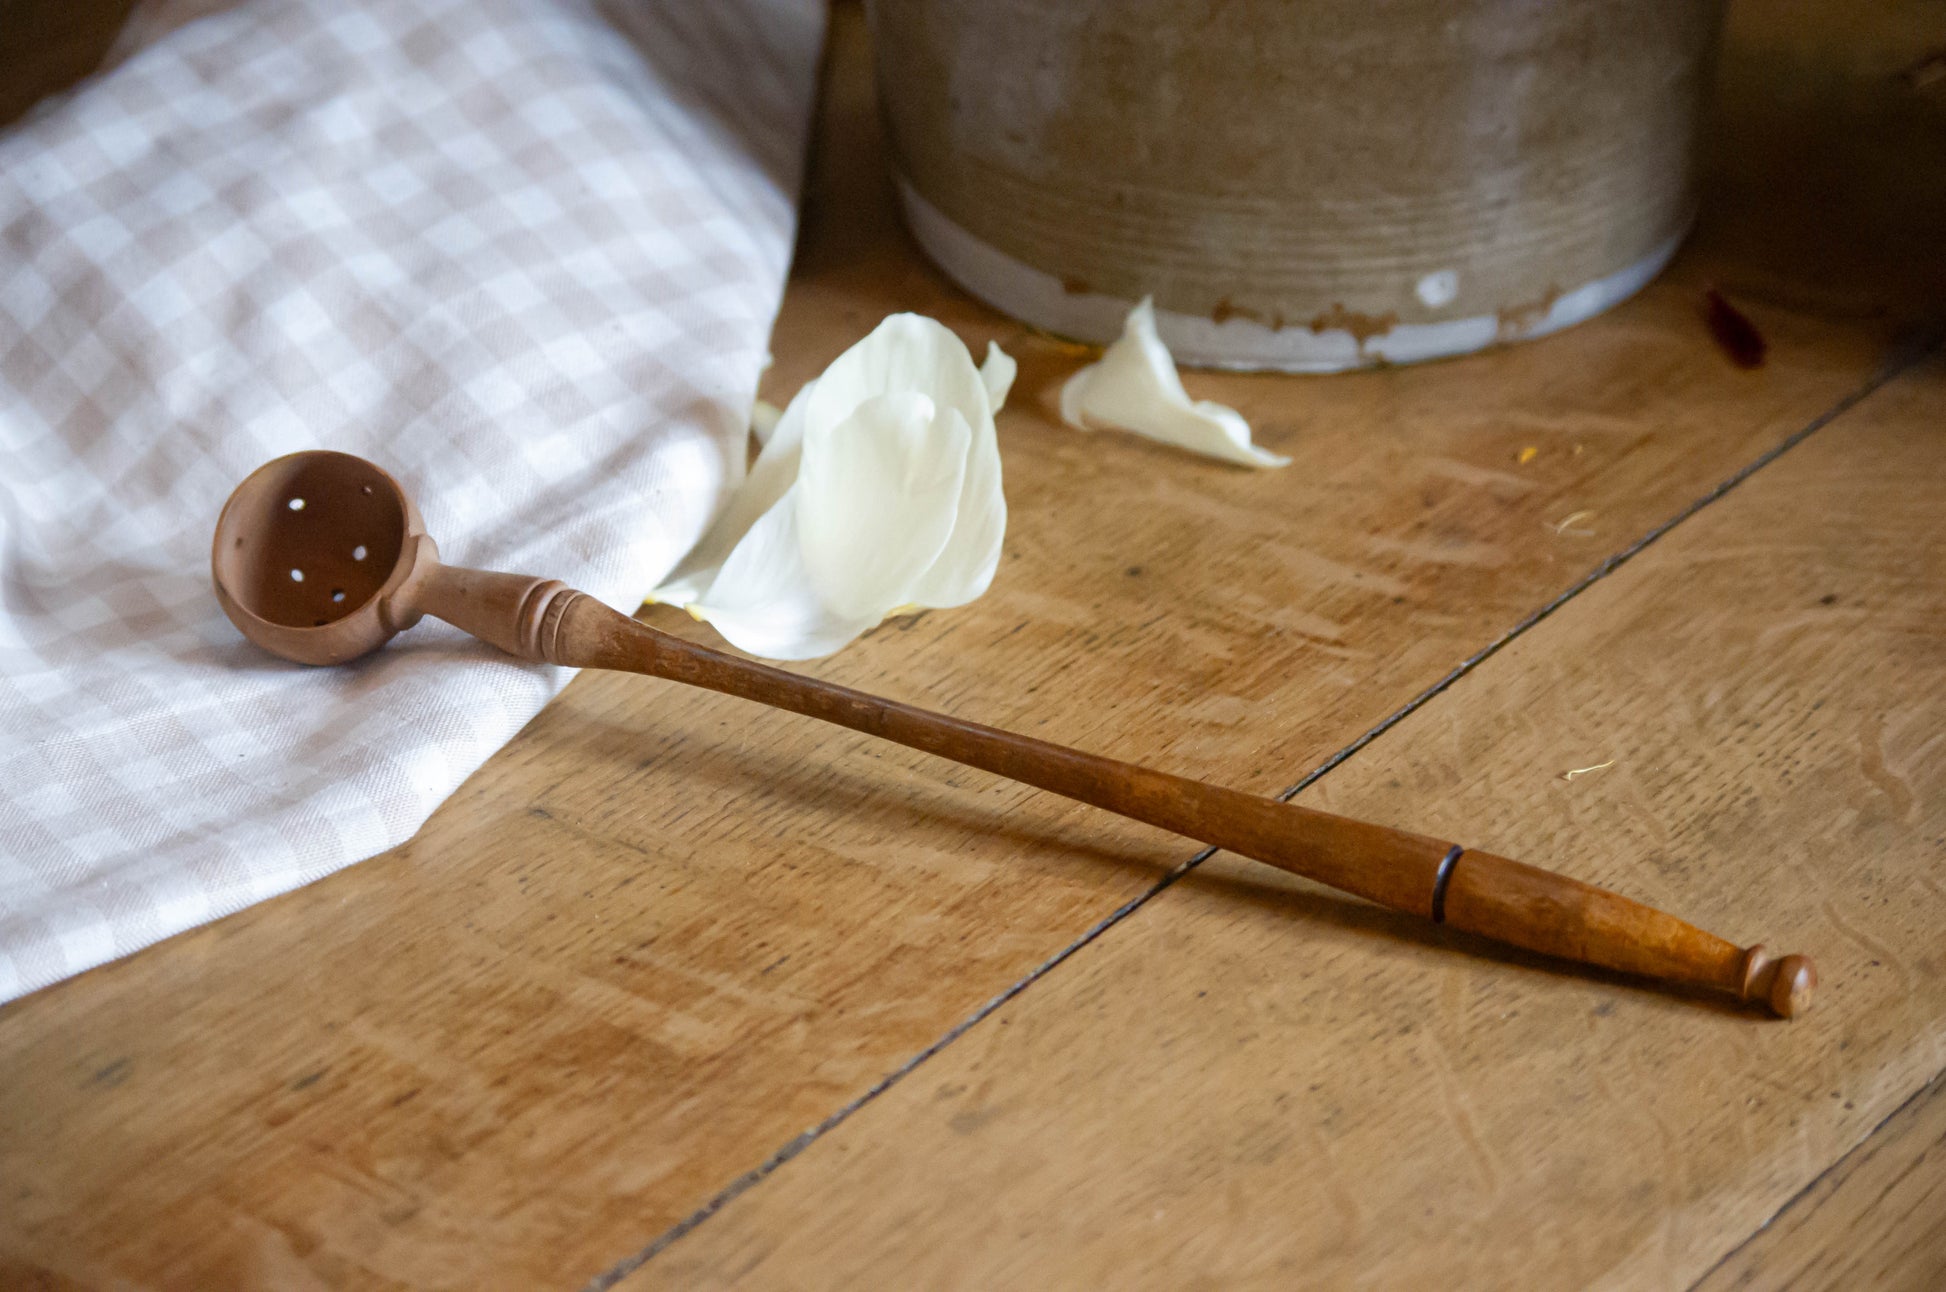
{"type": "Point", "coordinates": [1926, 1089]}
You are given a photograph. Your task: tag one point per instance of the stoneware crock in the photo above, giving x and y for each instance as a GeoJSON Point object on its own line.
{"type": "Point", "coordinates": [1308, 185]}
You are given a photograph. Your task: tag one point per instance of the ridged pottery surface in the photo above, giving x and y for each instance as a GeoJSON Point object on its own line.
{"type": "Point", "coordinates": [1305, 186]}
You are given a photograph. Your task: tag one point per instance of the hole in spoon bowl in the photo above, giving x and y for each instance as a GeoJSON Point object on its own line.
{"type": "Point", "coordinates": [311, 539]}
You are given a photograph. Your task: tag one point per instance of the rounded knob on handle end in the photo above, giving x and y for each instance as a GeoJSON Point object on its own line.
{"type": "Point", "coordinates": [1784, 983]}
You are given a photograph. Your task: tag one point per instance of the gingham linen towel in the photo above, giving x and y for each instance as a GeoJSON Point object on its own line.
{"type": "Point", "coordinates": [523, 253]}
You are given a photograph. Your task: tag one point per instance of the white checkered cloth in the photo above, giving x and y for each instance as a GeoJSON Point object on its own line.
{"type": "Point", "coordinates": [523, 253]}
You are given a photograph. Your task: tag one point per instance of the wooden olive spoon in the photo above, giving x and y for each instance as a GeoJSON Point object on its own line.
{"type": "Point", "coordinates": [320, 557]}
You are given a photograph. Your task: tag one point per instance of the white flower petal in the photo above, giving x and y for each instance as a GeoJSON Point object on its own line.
{"type": "Point", "coordinates": [763, 600]}
{"type": "Point", "coordinates": [774, 472]}
{"type": "Point", "coordinates": [878, 489]}
{"type": "Point", "coordinates": [966, 565]}
{"type": "Point", "coordinates": [906, 352]}
{"type": "Point", "coordinates": [1134, 387]}
{"type": "Point", "coordinates": [913, 353]}
{"type": "Point", "coordinates": [764, 417]}
{"type": "Point", "coordinates": [998, 372]}
{"type": "Point", "coordinates": [877, 495]}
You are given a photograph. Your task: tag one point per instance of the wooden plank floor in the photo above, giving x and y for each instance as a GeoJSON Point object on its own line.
{"type": "Point", "coordinates": [1255, 1082]}
{"type": "Point", "coordinates": [1870, 1220]}
{"type": "Point", "coordinates": [576, 1029]}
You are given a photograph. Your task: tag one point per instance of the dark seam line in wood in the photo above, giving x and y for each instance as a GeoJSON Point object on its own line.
{"type": "Point", "coordinates": [1926, 1088]}
{"type": "Point", "coordinates": [1904, 357]}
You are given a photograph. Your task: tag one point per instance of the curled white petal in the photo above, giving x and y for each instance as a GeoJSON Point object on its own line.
{"type": "Point", "coordinates": [876, 498]}
{"type": "Point", "coordinates": [770, 476]}
{"type": "Point", "coordinates": [1134, 387]}
{"type": "Point", "coordinates": [998, 372]}
{"type": "Point", "coordinates": [966, 565]}
{"type": "Point", "coordinates": [906, 352]}
{"type": "Point", "coordinates": [763, 601]}
{"type": "Point", "coordinates": [764, 417]}
{"type": "Point", "coordinates": [878, 489]}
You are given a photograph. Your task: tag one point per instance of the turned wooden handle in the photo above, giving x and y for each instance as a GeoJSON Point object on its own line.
{"type": "Point", "coordinates": [506, 610]}
{"type": "Point", "coordinates": [1542, 911]}
{"type": "Point", "coordinates": [1485, 894]}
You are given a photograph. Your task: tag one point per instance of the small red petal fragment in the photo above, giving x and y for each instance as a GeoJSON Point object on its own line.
{"type": "Point", "coordinates": [1734, 331]}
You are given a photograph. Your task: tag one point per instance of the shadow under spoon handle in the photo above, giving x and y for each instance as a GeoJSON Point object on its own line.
{"type": "Point", "coordinates": [1392, 867]}
{"type": "Point", "coordinates": [1493, 896]}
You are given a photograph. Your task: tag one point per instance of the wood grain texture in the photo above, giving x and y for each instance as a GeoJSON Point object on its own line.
{"type": "Point", "coordinates": [1875, 1219]}
{"type": "Point", "coordinates": [661, 933]}
{"type": "Point", "coordinates": [1256, 1084]}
